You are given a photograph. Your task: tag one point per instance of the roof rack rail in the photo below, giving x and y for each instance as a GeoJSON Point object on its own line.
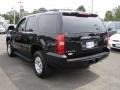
{"type": "Point", "coordinates": [70, 12]}
{"type": "Point", "coordinates": [61, 10]}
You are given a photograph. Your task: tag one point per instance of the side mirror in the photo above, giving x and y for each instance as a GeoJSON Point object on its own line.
{"type": "Point", "coordinates": [11, 28]}
{"type": "Point", "coordinates": [109, 29]}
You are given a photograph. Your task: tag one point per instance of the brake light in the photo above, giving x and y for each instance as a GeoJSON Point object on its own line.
{"type": "Point", "coordinates": [60, 44]}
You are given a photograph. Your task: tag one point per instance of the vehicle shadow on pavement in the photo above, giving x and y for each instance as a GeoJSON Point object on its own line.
{"type": "Point", "coordinates": [72, 78]}
{"type": "Point", "coordinates": [115, 51]}
{"type": "Point", "coordinates": [22, 76]}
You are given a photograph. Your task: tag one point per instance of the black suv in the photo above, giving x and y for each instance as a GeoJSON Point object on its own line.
{"type": "Point", "coordinates": [59, 39]}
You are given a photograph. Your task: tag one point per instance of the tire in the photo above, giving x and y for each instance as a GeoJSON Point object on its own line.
{"type": "Point", "coordinates": [40, 66]}
{"type": "Point", "coordinates": [10, 50]}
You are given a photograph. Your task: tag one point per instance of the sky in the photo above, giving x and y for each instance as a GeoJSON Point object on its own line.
{"type": "Point", "coordinates": [100, 6]}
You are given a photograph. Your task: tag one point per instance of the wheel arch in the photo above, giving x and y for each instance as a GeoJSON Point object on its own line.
{"type": "Point", "coordinates": [8, 39]}
{"type": "Point", "coordinates": [35, 48]}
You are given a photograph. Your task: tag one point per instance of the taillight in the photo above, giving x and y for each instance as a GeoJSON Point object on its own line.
{"type": "Point", "coordinates": [107, 39]}
{"type": "Point", "coordinates": [60, 44]}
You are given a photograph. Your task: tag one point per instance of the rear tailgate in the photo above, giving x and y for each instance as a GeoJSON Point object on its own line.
{"type": "Point", "coordinates": [83, 36]}
{"type": "Point", "coordinates": [84, 45]}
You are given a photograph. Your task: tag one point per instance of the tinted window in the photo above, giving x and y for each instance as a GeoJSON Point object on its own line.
{"type": "Point", "coordinates": [74, 24]}
{"type": "Point", "coordinates": [21, 25]}
{"type": "Point", "coordinates": [48, 23]}
{"type": "Point", "coordinates": [31, 24]}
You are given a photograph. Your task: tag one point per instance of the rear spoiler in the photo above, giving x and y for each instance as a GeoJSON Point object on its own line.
{"type": "Point", "coordinates": [79, 14]}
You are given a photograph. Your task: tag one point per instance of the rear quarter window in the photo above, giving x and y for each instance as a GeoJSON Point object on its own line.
{"type": "Point", "coordinates": [32, 24]}
{"type": "Point", "coordinates": [48, 23]}
{"type": "Point", "coordinates": [73, 24]}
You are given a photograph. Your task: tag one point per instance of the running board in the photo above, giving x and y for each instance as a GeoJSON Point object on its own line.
{"type": "Point", "coordinates": [22, 56]}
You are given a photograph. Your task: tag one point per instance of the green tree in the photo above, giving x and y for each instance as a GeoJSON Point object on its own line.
{"type": "Point", "coordinates": [40, 10]}
{"type": "Point", "coordinates": [81, 8]}
{"type": "Point", "coordinates": [113, 15]}
{"type": "Point", "coordinates": [10, 16]}
{"type": "Point", "coordinates": [108, 16]}
{"type": "Point", "coordinates": [116, 13]}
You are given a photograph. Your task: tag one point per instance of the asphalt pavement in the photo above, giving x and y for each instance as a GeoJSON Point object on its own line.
{"type": "Point", "coordinates": [17, 74]}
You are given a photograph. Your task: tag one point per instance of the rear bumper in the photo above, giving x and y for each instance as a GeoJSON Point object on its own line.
{"type": "Point", "coordinates": [61, 60]}
{"type": "Point", "coordinates": [2, 32]}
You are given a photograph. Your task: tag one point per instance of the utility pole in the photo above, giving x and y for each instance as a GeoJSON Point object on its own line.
{"type": "Point", "coordinates": [92, 7]}
{"type": "Point", "coordinates": [21, 8]}
{"type": "Point", "coordinates": [14, 15]}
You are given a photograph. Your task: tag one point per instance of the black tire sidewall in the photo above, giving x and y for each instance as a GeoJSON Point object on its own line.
{"type": "Point", "coordinates": [44, 72]}
{"type": "Point", "coordinates": [11, 54]}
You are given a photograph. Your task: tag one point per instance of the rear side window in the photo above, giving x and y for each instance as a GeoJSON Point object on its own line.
{"type": "Point", "coordinates": [21, 25]}
{"type": "Point", "coordinates": [31, 24]}
{"type": "Point", "coordinates": [73, 24]}
{"type": "Point", "coordinates": [48, 23]}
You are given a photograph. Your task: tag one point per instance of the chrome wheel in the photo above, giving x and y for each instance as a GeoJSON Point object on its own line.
{"type": "Point", "coordinates": [9, 49]}
{"type": "Point", "coordinates": [38, 65]}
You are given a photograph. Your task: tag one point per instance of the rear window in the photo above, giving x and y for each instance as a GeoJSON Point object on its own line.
{"type": "Point", "coordinates": [73, 24]}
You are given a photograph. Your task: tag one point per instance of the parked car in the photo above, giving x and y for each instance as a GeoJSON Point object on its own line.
{"type": "Point", "coordinates": [59, 39]}
{"type": "Point", "coordinates": [113, 27]}
{"type": "Point", "coordinates": [2, 30]}
{"type": "Point", "coordinates": [115, 41]}
{"type": "Point", "coordinates": [9, 26]}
